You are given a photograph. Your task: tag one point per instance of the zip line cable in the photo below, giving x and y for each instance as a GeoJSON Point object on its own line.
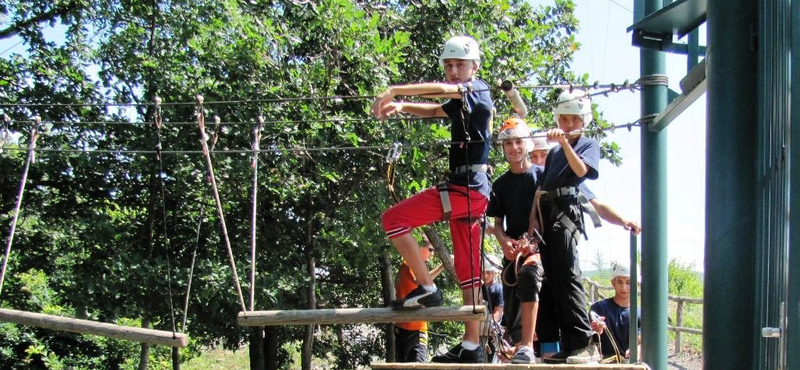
{"type": "Point", "coordinates": [31, 158]}
{"type": "Point", "coordinates": [382, 147]}
{"type": "Point", "coordinates": [335, 98]}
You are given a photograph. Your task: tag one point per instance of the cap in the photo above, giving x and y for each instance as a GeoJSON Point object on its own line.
{"type": "Point", "coordinates": [490, 263]}
{"type": "Point", "coordinates": [620, 270]}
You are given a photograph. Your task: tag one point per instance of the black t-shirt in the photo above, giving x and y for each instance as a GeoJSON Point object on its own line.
{"type": "Point", "coordinates": [512, 199]}
{"type": "Point", "coordinates": [479, 108]}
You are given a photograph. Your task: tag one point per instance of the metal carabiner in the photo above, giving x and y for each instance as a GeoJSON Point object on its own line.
{"type": "Point", "coordinates": [394, 153]}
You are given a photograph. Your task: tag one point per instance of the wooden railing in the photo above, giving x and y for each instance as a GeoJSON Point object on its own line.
{"type": "Point", "coordinates": [594, 293]}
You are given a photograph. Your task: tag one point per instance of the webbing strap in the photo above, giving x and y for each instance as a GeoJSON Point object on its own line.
{"type": "Point", "coordinates": [589, 208]}
{"type": "Point", "coordinates": [444, 196]}
{"type": "Point", "coordinates": [475, 168]}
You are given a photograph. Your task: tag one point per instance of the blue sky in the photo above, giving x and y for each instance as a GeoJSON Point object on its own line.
{"type": "Point", "coordinates": [607, 56]}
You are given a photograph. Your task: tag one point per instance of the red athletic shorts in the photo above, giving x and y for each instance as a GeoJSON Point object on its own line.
{"type": "Point", "coordinates": [426, 207]}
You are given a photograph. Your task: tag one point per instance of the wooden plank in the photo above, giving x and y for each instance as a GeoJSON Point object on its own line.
{"type": "Point", "coordinates": [432, 366]}
{"type": "Point", "coordinates": [114, 331]}
{"type": "Point", "coordinates": [359, 315]}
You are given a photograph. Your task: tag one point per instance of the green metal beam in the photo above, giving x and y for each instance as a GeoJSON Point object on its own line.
{"type": "Point", "coordinates": [654, 210]}
{"type": "Point", "coordinates": [793, 324]}
{"type": "Point", "coordinates": [728, 309]}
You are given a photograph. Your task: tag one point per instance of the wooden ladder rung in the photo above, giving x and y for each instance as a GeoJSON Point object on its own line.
{"type": "Point", "coordinates": [60, 323]}
{"type": "Point", "coordinates": [360, 316]}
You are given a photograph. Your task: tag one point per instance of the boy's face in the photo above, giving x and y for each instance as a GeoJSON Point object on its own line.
{"type": "Point", "coordinates": [570, 122]}
{"type": "Point", "coordinates": [622, 286]}
{"type": "Point", "coordinates": [514, 150]}
{"type": "Point", "coordinates": [538, 157]}
{"type": "Point", "coordinates": [459, 70]}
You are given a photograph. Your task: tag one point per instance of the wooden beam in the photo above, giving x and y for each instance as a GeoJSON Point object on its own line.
{"type": "Point", "coordinates": [442, 366]}
{"type": "Point", "coordinates": [359, 315]}
{"type": "Point", "coordinates": [114, 331]}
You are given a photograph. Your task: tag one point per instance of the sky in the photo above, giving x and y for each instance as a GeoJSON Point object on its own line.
{"type": "Point", "coordinates": [607, 56]}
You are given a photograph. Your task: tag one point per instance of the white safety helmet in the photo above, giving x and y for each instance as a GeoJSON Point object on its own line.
{"type": "Point", "coordinates": [576, 103]}
{"type": "Point", "coordinates": [540, 143]}
{"type": "Point", "coordinates": [490, 264]}
{"type": "Point", "coordinates": [514, 128]}
{"type": "Point", "coordinates": [460, 47]}
{"type": "Point", "coordinates": [620, 270]}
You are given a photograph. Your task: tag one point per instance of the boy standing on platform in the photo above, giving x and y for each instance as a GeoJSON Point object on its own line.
{"type": "Point", "coordinates": [559, 214]}
{"type": "Point", "coordinates": [462, 199]}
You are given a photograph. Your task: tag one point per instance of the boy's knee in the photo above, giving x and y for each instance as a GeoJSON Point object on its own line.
{"type": "Point", "coordinates": [529, 283]}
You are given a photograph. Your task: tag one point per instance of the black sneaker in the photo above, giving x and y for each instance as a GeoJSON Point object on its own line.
{"type": "Point", "coordinates": [420, 297]}
{"type": "Point", "coordinates": [461, 355]}
{"type": "Point", "coordinates": [559, 357]}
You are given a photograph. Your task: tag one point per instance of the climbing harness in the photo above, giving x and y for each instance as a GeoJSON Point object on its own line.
{"type": "Point", "coordinates": [391, 162]}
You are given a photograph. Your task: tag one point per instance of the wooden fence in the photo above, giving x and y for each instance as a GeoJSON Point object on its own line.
{"type": "Point", "coordinates": [594, 293]}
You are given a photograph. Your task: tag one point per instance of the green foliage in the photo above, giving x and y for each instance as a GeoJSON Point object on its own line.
{"type": "Point", "coordinates": [683, 280]}
{"type": "Point", "coordinates": [99, 240]}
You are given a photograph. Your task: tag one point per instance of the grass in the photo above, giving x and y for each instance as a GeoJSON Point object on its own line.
{"type": "Point", "coordinates": [219, 359]}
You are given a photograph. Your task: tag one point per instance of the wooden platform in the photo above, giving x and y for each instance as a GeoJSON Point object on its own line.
{"type": "Point", "coordinates": [359, 315]}
{"type": "Point", "coordinates": [432, 366]}
{"type": "Point", "coordinates": [114, 331]}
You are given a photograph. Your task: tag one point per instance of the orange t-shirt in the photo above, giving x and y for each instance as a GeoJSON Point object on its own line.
{"type": "Point", "coordinates": [406, 282]}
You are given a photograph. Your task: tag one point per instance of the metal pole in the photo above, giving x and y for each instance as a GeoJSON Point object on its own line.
{"type": "Point", "coordinates": [654, 209]}
{"type": "Point", "coordinates": [729, 294]}
{"type": "Point", "coordinates": [793, 324]}
{"type": "Point", "coordinates": [633, 339]}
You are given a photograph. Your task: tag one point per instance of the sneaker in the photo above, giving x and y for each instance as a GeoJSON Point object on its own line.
{"type": "Point", "coordinates": [420, 297]}
{"type": "Point", "coordinates": [585, 355]}
{"type": "Point", "coordinates": [461, 355]}
{"type": "Point", "coordinates": [524, 355]}
{"type": "Point", "coordinates": [559, 357]}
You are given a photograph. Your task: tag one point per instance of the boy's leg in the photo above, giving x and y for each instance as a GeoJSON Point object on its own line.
{"type": "Point", "coordinates": [567, 288]}
{"type": "Point", "coordinates": [466, 234]}
{"type": "Point", "coordinates": [529, 284]}
{"type": "Point", "coordinates": [421, 209]}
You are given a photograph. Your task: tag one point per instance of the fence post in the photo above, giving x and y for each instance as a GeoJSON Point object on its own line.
{"type": "Point", "coordinates": [678, 325]}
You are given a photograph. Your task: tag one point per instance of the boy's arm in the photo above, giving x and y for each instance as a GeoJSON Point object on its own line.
{"type": "Point", "coordinates": [435, 272]}
{"type": "Point", "coordinates": [611, 215]}
{"type": "Point", "coordinates": [575, 162]}
{"type": "Point", "coordinates": [383, 106]}
{"type": "Point", "coordinates": [533, 219]}
{"type": "Point", "coordinates": [506, 243]}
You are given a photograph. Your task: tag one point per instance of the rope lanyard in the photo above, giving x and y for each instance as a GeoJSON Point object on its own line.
{"type": "Point", "coordinates": [31, 158]}
{"type": "Point", "coordinates": [200, 114]}
{"type": "Point", "coordinates": [157, 122]}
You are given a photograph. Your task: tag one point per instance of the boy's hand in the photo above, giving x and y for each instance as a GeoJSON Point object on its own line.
{"type": "Point", "coordinates": [509, 249]}
{"type": "Point", "coordinates": [598, 323]}
{"type": "Point", "coordinates": [379, 104]}
{"type": "Point", "coordinates": [556, 135]}
{"type": "Point", "coordinates": [633, 227]}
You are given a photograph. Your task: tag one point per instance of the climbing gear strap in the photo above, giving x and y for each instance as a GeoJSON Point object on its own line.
{"type": "Point", "coordinates": [556, 213]}
{"type": "Point", "coordinates": [587, 207]}
{"type": "Point", "coordinates": [444, 196]}
{"type": "Point", "coordinates": [475, 168]}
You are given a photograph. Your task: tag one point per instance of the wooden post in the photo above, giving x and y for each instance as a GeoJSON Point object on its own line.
{"type": "Point", "coordinates": [678, 324]}
{"type": "Point", "coordinates": [359, 315]}
{"type": "Point", "coordinates": [114, 331]}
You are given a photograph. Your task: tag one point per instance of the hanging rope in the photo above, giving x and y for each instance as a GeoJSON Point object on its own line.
{"type": "Point", "coordinates": [256, 141]}
{"type": "Point", "coordinates": [200, 114]}
{"type": "Point", "coordinates": [34, 132]}
{"type": "Point", "coordinates": [157, 122]}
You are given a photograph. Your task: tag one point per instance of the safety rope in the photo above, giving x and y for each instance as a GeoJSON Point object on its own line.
{"type": "Point", "coordinates": [157, 122]}
{"type": "Point", "coordinates": [254, 165]}
{"type": "Point", "coordinates": [200, 114]}
{"type": "Point", "coordinates": [34, 132]}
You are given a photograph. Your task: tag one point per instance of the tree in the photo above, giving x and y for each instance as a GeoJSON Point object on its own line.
{"type": "Point", "coordinates": [105, 240]}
